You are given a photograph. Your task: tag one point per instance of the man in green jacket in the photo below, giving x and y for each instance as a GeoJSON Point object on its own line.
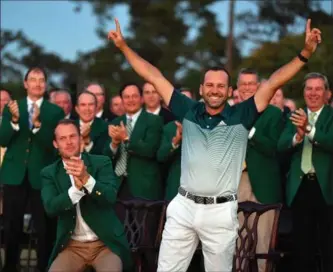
{"type": "Point", "coordinates": [261, 180]}
{"type": "Point", "coordinates": [309, 136]}
{"type": "Point", "coordinates": [94, 130]}
{"type": "Point", "coordinates": [81, 190]}
{"type": "Point", "coordinates": [134, 141]}
{"type": "Point", "coordinates": [27, 131]}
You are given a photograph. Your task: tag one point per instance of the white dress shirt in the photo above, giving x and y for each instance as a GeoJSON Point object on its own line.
{"type": "Point", "coordinates": [82, 231]}
{"type": "Point", "coordinates": [99, 114]}
{"type": "Point", "coordinates": [30, 104]}
{"type": "Point", "coordinates": [155, 112]}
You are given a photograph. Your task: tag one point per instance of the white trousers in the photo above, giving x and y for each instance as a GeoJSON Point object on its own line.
{"type": "Point", "coordinates": [215, 225]}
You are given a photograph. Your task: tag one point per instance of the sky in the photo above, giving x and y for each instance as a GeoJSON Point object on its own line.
{"type": "Point", "coordinates": [56, 26]}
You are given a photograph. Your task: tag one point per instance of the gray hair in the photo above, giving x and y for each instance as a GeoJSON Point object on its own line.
{"type": "Point", "coordinates": [313, 75]}
{"type": "Point", "coordinates": [89, 83]}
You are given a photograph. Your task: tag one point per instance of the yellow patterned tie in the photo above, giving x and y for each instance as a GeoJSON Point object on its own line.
{"type": "Point", "coordinates": [306, 164]}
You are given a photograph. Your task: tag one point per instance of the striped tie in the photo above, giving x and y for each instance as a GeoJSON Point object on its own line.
{"type": "Point", "coordinates": [121, 165]}
{"type": "Point", "coordinates": [306, 164]}
{"type": "Point", "coordinates": [31, 112]}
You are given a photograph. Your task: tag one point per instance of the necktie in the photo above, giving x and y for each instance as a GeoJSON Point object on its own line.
{"type": "Point", "coordinates": [31, 112]}
{"type": "Point", "coordinates": [121, 165]}
{"type": "Point", "coordinates": [306, 163]}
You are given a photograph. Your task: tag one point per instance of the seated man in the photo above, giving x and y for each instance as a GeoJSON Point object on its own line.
{"type": "Point", "coordinates": [81, 190]}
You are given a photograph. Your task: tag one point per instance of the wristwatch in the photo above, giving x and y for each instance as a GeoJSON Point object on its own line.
{"type": "Point", "coordinates": [308, 128]}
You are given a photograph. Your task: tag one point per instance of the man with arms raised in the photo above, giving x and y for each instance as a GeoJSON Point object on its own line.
{"type": "Point", "coordinates": [214, 141]}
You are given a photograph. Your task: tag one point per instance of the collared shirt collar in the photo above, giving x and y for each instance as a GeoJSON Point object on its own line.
{"type": "Point", "coordinates": [155, 112]}
{"type": "Point", "coordinates": [89, 123]}
{"type": "Point", "coordinates": [224, 113]}
{"type": "Point", "coordinates": [99, 114]}
{"type": "Point", "coordinates": [134, 117]}
{"type": "Point", "coordinates": [38, 102]}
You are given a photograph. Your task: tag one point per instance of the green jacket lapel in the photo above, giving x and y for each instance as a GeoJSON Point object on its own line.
{"type": "Point", "coordinates": [139, 127]}
{"type": "Point", "coordinates": [322, 116]}
{"type": "Point", "coordinates": [62, 178]}
{"type": "Point", "coordinates": [87, 162]}
{"type": "Point", "coordinates": [24, 115]}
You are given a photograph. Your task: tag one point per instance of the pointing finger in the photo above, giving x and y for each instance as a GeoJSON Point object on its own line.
{"type": "Point", "coordinates": [308, 26]}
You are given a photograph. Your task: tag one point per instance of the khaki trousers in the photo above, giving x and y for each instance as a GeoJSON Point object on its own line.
{"type": "Point", "coordinates": [78, 255]}
{"type": "Point", "coordinates": [265, 222]}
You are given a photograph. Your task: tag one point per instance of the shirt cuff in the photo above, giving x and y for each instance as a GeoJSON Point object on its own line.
{"type": "Point", "coordinates": [174, 146]}
{"type": "Point", "coordinates": [312, 133]}
{"type": "Point", "coordinates": [35, 130]}
{"type": "Point", "coordinates": [114, 150]}
{"type": "Point", "coordinates": [75, 194]}
{"type": "Point", "coordinates": [295, 142]}
{"type": "Point", "coordinates": [251, 133]}
{"type": "Point", "coordinates": [16, 127]}
{"type": "Point", "coordinates": [89, 146]}
{"type": "Point", "coordinates": [90, 184]}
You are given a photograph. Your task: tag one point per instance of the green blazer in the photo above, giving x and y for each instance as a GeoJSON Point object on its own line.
{"type": "Point", "coordinates": [322, 156]}
{"type": "Point", "coordinates": [261, 157]}
{"type": "Point", "coordinates": [26, 150]}
{"type": "Point", "coordinates": [97, 208]}
{"type": "Point", "coordinates": [172, 157]}
{"type": "Point", "coordinates": [98, 135]}
{"type": "Point", "coordinates": [143, 171]}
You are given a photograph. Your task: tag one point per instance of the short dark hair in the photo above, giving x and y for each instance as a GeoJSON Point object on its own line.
{"type": "Point", "coordinates": [247, 71]}
{"type": "Point", "coordinates": [7, 91]}
{"type": "Point", "coordinates": [317, 75]}
{"type": "Point", "coordinates": [123, 87]}
{"type": "Point", "coordinates": [35, 69]}
{"type": "Point", "coordinates": [67, 122]}
{"type": "Point", "coordinates": [216, 69]}
{"type": "Point", "coordinates": [87, 92]}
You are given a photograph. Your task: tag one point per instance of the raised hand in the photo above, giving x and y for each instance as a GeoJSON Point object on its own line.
{"type": "Point", "coordinates": [312, 37]}
{"type": "Point", "coordinates": [300, 120]}
{"type": "Point", "coordinates": [114, 133]}
{"type": "Point", "coordinates": [116, 36]}
{"type": "Point", "coordinates": [14, 110]}
{"type": "Point", "coordinates": [35, 116]}
{"type": "Point", "coordinates": [85, 132]}
{"type": "Point", "coordinates": [179, 134]}
{"type": "Point", "coordinates": [75, 167]}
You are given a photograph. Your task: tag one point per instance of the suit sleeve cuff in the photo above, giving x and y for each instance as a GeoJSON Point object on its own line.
{"type": "Point", "coordinates": [251, 133]}
{"type": "Point", "coordinates": [89, 146]}
{"type": "Point", "coordinates": [90, 184]}
{"type": "Point", "coordinates": [114, 150]}
{"type": "Point", "coordinates": [295, 142]}
{"type": "Point", "coordinates": [35, 130]}
{"type": "Point", "coordinates": [16, 127]}
{"type": "Point", "coordinates": [312, 133]}
{"type": "Point", "coordinates": [75, 194]}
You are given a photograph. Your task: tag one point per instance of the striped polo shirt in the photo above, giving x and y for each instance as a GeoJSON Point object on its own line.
{"type": "Point", "coordinates": [213, 147]}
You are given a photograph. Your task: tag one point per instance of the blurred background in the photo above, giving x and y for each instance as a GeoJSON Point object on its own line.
{"type": "Point", "coordinates": [68, 38]}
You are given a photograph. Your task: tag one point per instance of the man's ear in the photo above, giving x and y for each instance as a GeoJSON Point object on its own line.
{"type": "Point", "coordinates": [55, 144]}
{"type": "Point", "coordinates": [200, 89]}
{"type": "Point", "coordinates": [230, 91]}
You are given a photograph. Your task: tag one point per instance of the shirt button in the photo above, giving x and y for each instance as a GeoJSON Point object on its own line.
{"type": "Point", "coordinates": [207, 126]}
{"type": "Point", "coordinates": [210, 118]}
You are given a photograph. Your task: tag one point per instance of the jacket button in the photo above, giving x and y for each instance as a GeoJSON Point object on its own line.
{"type": "Point", "coordinates": [27, 150]}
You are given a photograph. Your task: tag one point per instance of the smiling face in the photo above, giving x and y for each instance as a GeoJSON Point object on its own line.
{"type": "Point", "coordinates": [278, 99]}
{"type": "Point", "coordinates": [86, 107]}
{"type": "Point", "coordinates": [132, 99]}
{"type": "Point", "coordinates": [215, 90]}
{"type": "Point", "coordinates": [98, 91]}
{"type": "Point", "coordinates": [247, 85]}
{"type": "Point", "coordinates": [314, 93]}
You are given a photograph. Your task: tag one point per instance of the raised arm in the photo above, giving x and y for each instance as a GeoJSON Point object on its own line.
{"type": "Point", "coordinates": [142, 67]}
{"type": "Point", "coordinates": [267, 89]}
